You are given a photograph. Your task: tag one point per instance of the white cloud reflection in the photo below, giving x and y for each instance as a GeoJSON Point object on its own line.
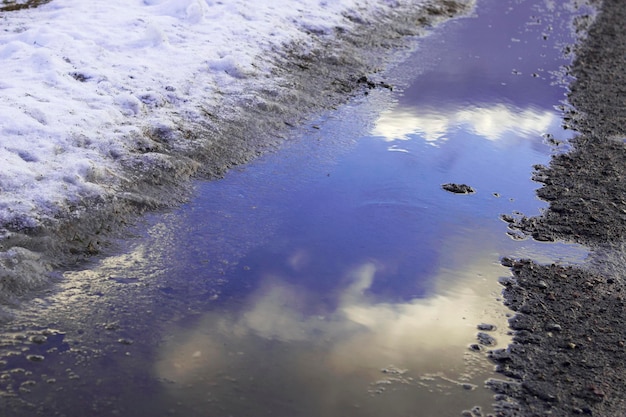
{"type": "Point", "coordinates": [364, 331]}
{"type": "Point", "coordinates": [286, 346]}
{"type": "Point", "coordinates": [418, 333]}
{"type": "Point", "coordinates": [492, 122]}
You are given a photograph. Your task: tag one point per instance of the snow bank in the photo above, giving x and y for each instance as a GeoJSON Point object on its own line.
{"type": "Point", "coordinates": [102, 102]}
{"type": "Point", "coordinates": [81, 79]}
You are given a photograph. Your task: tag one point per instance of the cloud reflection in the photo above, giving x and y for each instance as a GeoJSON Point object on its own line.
{"type": "Point", "coordinates": [491, 122]}
{"type": "Point", "coordinates": [358, 333]}
{"type": "Point", "coordinates": [364, 331]}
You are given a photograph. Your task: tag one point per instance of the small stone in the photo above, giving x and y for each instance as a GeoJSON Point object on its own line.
{"type": "Point", "coordinates": [486, 339]}
{"type": "Point", "coordinates": [542, 284]}
{"type": "Point", "coordinates": [553, 327]}
{"type": "Point", "coordinates": [476, 347]}
{"type": "Point", "coordinates": [506, 281]}
{"type": "Point", "coordinates": [506, 261]}
{"type": "Point", "coordinates": [35, 358]}
{"type": "Point", "coordinates": [500, 355]}
{"type": "Point", "coordinates": [486, 327]}
{"type": "Point", "coordinates": [542, 237]}
{"type": "Point", "coordinates": [477, 411]}
{"type": "Point", "coordinates": [458, 188]}
{"type": "Point", "coordinates": [597, 391]}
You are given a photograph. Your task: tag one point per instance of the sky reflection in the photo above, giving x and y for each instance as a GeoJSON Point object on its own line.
{"type": "Point", "coordinates": [334, 278]}
{"type": "Point", "coordinates": [491, 122]}
{"type": "Point", "coordinates": [275, 337]}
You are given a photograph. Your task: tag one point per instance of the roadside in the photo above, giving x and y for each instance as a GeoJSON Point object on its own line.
{"type": "Point", "coordinates": [567, 355]}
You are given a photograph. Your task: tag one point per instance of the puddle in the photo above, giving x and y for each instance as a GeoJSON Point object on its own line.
{"type": "Point", "coordinates": [335, 277]}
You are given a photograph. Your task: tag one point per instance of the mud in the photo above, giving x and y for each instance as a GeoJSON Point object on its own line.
{"type": "Point", "coordinates": [569, 351]}
{"type": "Point", "coordinates": [569, 347]}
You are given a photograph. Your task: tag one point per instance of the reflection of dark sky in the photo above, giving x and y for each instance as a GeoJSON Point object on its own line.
{"type": "Point", "coordinates": [455, 75]}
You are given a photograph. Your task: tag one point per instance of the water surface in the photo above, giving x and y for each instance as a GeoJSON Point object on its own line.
{"type": "Point", "coordinates": [334, 277]}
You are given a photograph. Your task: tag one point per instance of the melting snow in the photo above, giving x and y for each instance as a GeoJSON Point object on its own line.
{"type": "Point", "coordinates": [80, 81]}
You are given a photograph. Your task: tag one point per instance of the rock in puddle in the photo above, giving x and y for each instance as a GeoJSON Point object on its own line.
{"type": "Point", "coordinates": [486, 339]}
{"type": "Point", "coordinates": [458, 188]}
